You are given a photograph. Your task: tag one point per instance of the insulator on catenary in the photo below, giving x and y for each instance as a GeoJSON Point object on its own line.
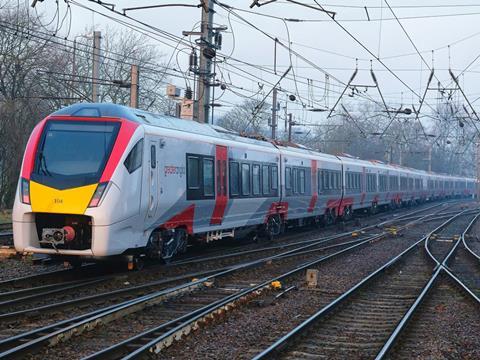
{"type": "Point", "coordinates": [188, 93]}
{"type": "Point", "coordinates": [193, 60]}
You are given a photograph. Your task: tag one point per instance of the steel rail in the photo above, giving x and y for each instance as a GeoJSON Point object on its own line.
{"type": "Point", "coordinates": [438, 269]}
{"type": "Point", "coordinates": [469, 249]}
{"type": "Point", "coordinates": [46, 274]}
{"type": "Point", "coordinates": [462, 285]}
{"type": "Point", "coordinates": [104, 295]}
{"type": "Point", "coordinates": [191, 319]}
{"type": "Point", "coordinates": [282, 342]}
{"type": "Point", "coordinates": [73, 286]}
{"type": "Point", "coordinates": [454, 247]}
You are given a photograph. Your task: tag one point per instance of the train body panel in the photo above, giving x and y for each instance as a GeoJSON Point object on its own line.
{"type": "Point", "coordinates": [100, 180]}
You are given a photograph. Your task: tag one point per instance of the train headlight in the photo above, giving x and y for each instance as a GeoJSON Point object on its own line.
{"type": "Point", "coordinates": [98, 194]}
{"type": "Point", "coordinates": [25, 191]}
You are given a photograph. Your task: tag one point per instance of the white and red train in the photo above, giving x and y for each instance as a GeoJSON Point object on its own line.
{"type": "Point", "coordinates": [102, 180]}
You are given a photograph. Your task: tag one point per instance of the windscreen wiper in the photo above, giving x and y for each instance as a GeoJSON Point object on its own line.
{"type": "Point", "coordinates": [43, 165]}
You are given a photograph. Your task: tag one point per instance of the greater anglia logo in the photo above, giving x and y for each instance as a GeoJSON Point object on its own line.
{"type": "Point", "coordinates": [174, 170]}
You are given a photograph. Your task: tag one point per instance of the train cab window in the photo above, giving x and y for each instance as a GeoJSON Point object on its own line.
{"type": "Point", "coordinates": [256, 179]}
{"type": "Point", "coordinates": [193, 172]}
{"type": "Point", "coordinates": [266, 180]}
{"type": "Point", "coordinates": [73, 153]}
{"type": "Point", "coordinates": [134, 158]}
{"type": "Point", "coordinates": [208, 177]}
{"type": "Point", "coordinates": [153, 156]}
{"type": "Point", "coordinates": [245, 179]}
{"type": "Point", "coordinates": [234, 178]}
{"type": "Point", "coordinates": [274, 174]}
{"type": "Point", "coordinates": [288, 178]}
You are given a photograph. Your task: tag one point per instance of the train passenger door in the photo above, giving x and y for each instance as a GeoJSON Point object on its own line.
{"type": "Point", "coordinates": [221, 198]}
{"type": "Point", "coordinates": [152, 179]}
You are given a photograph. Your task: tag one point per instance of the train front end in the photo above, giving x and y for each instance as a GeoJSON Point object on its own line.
{"type": "Point", "coordinates": [63, 204]}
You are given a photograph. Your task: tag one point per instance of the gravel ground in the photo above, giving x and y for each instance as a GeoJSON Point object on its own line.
{"type": "Point", "coordinates": [15, 267]}
{"type": "Point", "coordinates": [446, 327]}
{"type": "Point", "coordinates": [244, 333]}
{"type": "Point", "coordinates": [140, 277]}
{"type": "Point", "coordinates": [335, 278]}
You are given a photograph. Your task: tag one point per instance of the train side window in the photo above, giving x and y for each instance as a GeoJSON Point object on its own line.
{"type": "Point", "coordinates": [256, 179]}
{"type": "Point", "coordinates": [266, 180]}
{"type": "Point", "coordinates": [288, 178]}
{"type": "Point", "coordinates": [134, 158]}
{"type": "Point", "coordinates": [224, 177]}
{"type": "Point", "coordinates": [234, 178]}
{"type": "Point", "coordinates": [295, 181]}
{"type": "Point", "coordinates": [301, 180]}
{"type": "Point", "coordinates": [208, 177]}
{"type": "Point", "coordinates": [153, 156]}
{"type": "Point", "coordinates": [325, 180]}
{"type": "Point", "coordinates": [193, 172]}
{"type": "Point", "coordinates": [245, 179]}
{"type": "Point", "coordinates": [319, 181]}
{"type": "Point", "coordinates": [274, 174]}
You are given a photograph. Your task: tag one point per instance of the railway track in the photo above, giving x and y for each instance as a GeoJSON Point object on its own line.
{"type": "Point", "coordinates": [362, 322]}
{"type": "Point", "coordinates": [51, 298]}
{"type": "Point", "coordinates": [22, 302]}
{"type": "Point", "coordinates": [224, 294]}
{"type": "Point", "coordinates": [447, 317]}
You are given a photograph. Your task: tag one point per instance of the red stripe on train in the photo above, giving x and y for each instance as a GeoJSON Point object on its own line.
{"type": "Point", "coordinates": [313, 200]}
{"type": "Point", "coordinates": [222, 186]}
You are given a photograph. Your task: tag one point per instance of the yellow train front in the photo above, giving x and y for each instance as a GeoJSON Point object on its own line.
{"type": "Point", "coordinates": [71, 174]}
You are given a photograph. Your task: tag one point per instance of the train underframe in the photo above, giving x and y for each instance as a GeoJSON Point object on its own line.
{"type": "Point", "coordinates": [74, 232]}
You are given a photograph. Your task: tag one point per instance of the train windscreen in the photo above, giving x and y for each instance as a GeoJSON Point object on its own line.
{"type": "Point", "coordinates": [74, 153]}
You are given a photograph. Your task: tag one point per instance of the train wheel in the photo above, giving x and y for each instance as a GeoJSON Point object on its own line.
{"type": "Point", "coordinates": [273, 227]}
{"type": "Point", "coordinates": [347, 213]}
{"type": "Point", "coordinates": [176, 244]}
{"type": "Point", "coordinates": [138, 263]}
{"type": "Point", "coordinates": [329, 217]}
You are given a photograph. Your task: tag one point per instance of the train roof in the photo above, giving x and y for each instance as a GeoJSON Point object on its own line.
{"type": "Point", "coordinates": [157, 120]}
{"type": "Point", "coordinates": [174, 123]}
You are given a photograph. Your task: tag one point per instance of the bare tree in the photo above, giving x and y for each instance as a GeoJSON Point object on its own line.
{"type": "Point", "coordinates": [120, 50]}
{"type": "Point", "coordinates": [24, 95]}
{"type": "Point", "coordinates": [251, 116]}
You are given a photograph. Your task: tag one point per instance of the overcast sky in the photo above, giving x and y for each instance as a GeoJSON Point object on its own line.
{"type": "Point", "coordinates": [431, 25]}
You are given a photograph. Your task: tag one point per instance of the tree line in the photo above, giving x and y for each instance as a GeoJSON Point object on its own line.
{"type": "Point", "coordinates": [40, 73]}
{"type": "Point", "coordinates": [443, 140]}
